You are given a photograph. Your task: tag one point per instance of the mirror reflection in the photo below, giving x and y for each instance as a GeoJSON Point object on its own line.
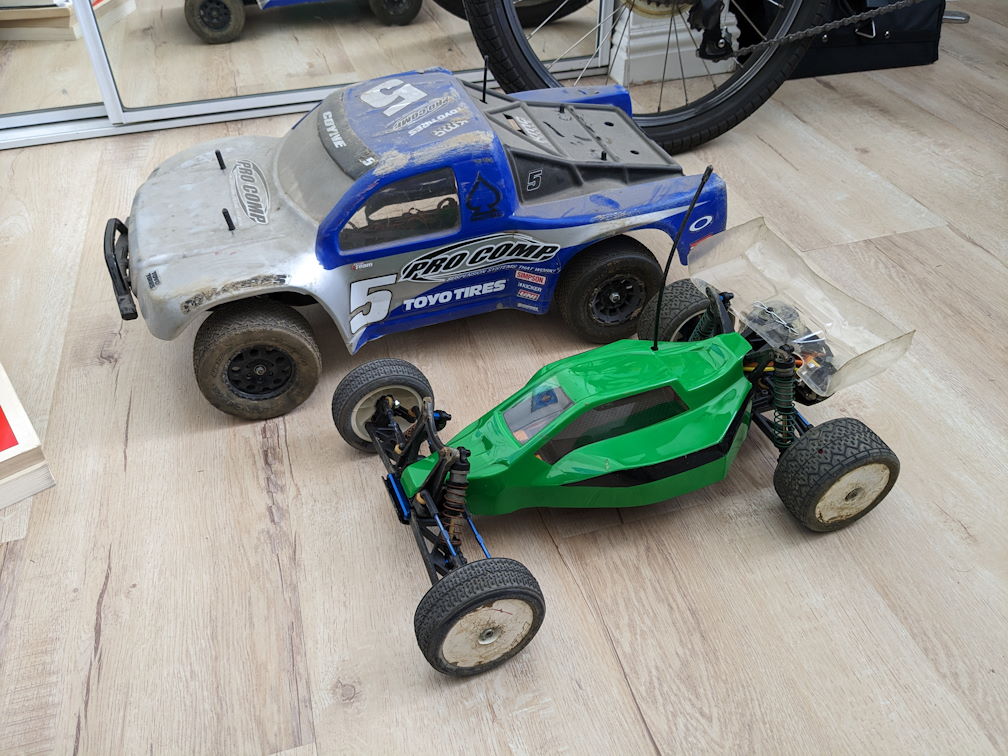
{"type": "Point", "coordinates": [43, 61]}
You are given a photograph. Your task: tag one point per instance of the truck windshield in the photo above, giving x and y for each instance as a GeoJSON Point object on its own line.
{"type": "Point", "coordinates": [307, 174]}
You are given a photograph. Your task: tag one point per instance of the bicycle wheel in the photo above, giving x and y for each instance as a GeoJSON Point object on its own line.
{"type": "Point", "coordinates": [680, 99]}
{"type": "Point", "coordinates": [530, 12]}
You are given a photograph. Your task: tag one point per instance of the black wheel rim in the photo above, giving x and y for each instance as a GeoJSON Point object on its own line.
{"type": "Point", "coordinates": [260, 372]}
{"type": "Point", "coordinates": [617, 299]}
{"type": "Point", "coordinates": [215, 15]}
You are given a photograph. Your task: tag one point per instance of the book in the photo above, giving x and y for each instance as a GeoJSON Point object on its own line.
{"type": "Point", "coordinates": [23, 467]}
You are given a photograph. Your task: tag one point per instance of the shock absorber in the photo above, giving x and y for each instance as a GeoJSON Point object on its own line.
{"type": "Point", "coordinates": [782, 385]}
{"type": "Point", "coordinates": [454, 502]}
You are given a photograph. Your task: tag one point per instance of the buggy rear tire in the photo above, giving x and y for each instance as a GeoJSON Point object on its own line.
{"type": "Point", "coordinates": [215, 21]}
{"type": "Point", "coordinates": [835, 474]}
{"type": "Point", "coordinates": [604, 288]}
{"type": "Point", "coordinates": [256, 359]}
{"type": "Point", "coordinates": [478, 616]}
{"type": "Point", "coordinates": [395, 12]}
{"type": "Point", "coordinates": [682, 307]}
{"type": "Point", "coordinates": [354, 400]}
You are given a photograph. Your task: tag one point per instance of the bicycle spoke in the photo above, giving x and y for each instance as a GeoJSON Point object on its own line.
{"type": "Point", "coordinates": [633, 4]}
{"type": "Point", "coordinates": [746, 17]}
{"type": "Point", "coordinates": [602, 39]}
{"type": "Point", "coordinates": [548, 18]}
{"type": "Point", "coordinates": [678, 47]}
{"type": "Point", "coordinates": [584, 37]}
{"type": "Point", "coordinates": [664, 68]}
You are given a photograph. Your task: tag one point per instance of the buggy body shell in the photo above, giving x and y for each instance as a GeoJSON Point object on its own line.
{"type": "Point", "coordinates": [663, 458]}
{"type": "Point", "coordinates": [534, 184]}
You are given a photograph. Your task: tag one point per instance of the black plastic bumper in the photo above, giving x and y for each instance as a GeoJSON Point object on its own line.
{"type": "Point", "coordinates": [116, 259]}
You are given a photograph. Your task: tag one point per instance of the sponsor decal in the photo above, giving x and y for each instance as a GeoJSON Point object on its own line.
{"type": "Point", "coordinates": [477, 254]}
{"type": "Point", "coordinates": [524, 275]}
{"type": "Point", "coordinates": [250, 185]}
{"type": "Point", "coordinates": [530, 129]}
{"type": "Point", "coordinates": [330, 126]}
{"type": "Point", "coordinates": [528, 294]}
{"type": "Point", "coordinates": [529, 287]}
{"type": "Point", "coordinates": [415, 115]}
{"type": "Point", "coordinates": [483, 199]}
{"type": "Point", "coordinates": [450, 126]}
{"type": "Point", "coordinates": [153, 280]}
{"type": "Point", "coordinates": [361, 265]}
{"type": "Point", "coordinates": [527, 306]}
{"type": "Point", "coordinates": [462, 111]}
{"type": "Point", "coordinates": [454, 295]}
{"type": "Point", "coordinates": [201, 298]}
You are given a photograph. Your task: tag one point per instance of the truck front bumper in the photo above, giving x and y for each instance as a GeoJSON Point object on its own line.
{"type": "Point", "coordinates": [117, 262]}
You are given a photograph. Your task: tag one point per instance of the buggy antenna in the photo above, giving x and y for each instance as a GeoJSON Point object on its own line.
{"type": "Point", "coordinates": [220, 159]}
{"type": "Point", "coordinates": [675, 245]}
{"type": "Point", "coordinates": [486, 66]}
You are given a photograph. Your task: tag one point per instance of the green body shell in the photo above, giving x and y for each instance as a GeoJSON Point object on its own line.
{"type": "Point", "coordinates": [646, 458]}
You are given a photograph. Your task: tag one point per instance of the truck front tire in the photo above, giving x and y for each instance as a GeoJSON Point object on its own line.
{"type": "Point", "coordinates": [256, 359]}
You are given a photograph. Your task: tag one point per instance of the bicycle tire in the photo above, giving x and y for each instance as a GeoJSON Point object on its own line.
{"type": "Point", "coordinates": [500, 38]}
{"type": "Point", "coordinates": [529, 15]}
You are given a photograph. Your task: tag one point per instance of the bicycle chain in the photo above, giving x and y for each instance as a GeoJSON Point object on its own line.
{"type": "Point", "coordinates": [815, 31]}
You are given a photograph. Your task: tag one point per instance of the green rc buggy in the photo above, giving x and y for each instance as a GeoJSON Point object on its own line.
{"type": "Point", "coordinates": [752, 334]}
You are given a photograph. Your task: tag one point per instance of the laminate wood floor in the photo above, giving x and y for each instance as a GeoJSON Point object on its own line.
{"type": "Point", "coordinates": [195, 584]}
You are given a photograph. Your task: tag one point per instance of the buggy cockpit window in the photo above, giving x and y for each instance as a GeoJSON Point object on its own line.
{"type": "Point", "coordinates": [416, 206]}
{"type": "Point", "coordinates": [613, 419]}
{"type": "Point", "coordinates": [534, 412]}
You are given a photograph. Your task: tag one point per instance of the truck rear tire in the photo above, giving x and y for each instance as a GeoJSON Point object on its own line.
{"type": "Point", "coordinates": [604, 288]}
{"type": "Point", "coordinates": [395, 12]}
{"type": "Point", "coordinates": [215, 21]}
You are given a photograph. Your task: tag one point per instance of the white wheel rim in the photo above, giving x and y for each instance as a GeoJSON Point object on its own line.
{"type": "Point", "coordinates": [852, 493]}
{"type": "Point", "coordinates": [487, 633]}
{"type": "Point", "coordinates": [364, 409]}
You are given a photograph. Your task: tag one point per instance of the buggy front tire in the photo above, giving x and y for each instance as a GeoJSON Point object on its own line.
{"type": "Point", "coordinates": [355, 398]}
{"type": "Point", "coordinates": [604, 288]}
{"type": "Point", "coordinates": [835, 474]}
{"type": "Point", "coordinates": [478, 616]}
{"type": "Point", "coordinates": [215, 21]}
{"type": "Point", "coordinates": [395, 12]}
{"type": "Point", "coordinates": [256, 359]}
{"type": "Point", "coordinates": [682, 307]}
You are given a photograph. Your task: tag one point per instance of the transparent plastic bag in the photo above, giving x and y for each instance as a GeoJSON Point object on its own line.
{"type": "Point", "coordinates": [840, 340]}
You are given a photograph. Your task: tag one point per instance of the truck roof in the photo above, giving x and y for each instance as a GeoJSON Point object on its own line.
{"type": "Point", "coordinates": [427, 120]}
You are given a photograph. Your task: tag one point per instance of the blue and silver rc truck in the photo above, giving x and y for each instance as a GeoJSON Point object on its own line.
{"type": "Point", "coordinates": [397, 203]}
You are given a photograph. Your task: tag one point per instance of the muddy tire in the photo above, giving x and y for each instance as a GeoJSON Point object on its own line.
{"type": "Point", "coordinates": [835, 474]}
{"type": "Point", "coordinates": [478, 616]}
{"type": "Point", "coordinates": [215, 21]}
{"type": "Point", "coordinates": [603, 290]}
{"type": "Point", "coordinates": [353, 402]}
{"type": "Point", "coordinates": [682, 307]}
{"type": "Point", "coordinates": [256, 359]}
{"type": "Point", "coordinates": [395, 12]}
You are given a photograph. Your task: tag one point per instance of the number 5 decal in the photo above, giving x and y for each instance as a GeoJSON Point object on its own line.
{"type": "Point", "coordinates": [376, 302]}
{"type": "Point", "coordinates": [534, 180]}
{"type": "Point", "coordinates": [396, 100]}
